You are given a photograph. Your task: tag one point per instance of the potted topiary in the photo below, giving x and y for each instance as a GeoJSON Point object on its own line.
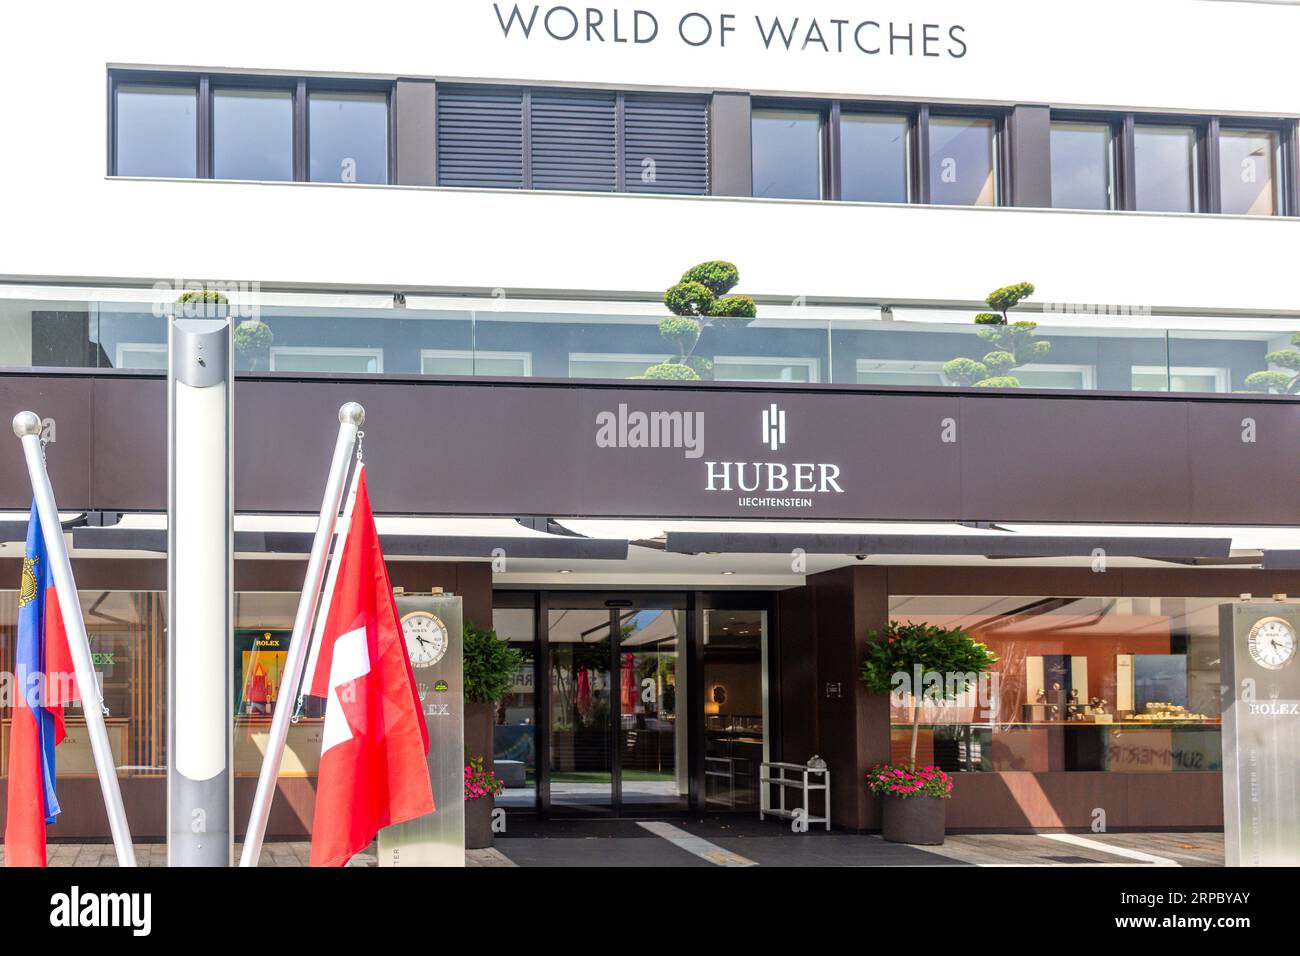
{"type": "Point", "coordinates": [699, 302]}
{"type": "Point", "coordinates": [489, 669]}
{"type": "Point", "coordinates": [1012, 344]}
{"type": "Point", "coordinates": [201, 304]}
{"type": "Point", "coordinates": [253, 339]}
{"type": "Point", "coordinates": [946, 661]}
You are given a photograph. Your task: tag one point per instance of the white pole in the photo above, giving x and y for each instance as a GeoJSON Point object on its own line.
{"type": "Point", "coordinates": [351, 417]}
{"type": "Point", "coordinates": [27, 426]}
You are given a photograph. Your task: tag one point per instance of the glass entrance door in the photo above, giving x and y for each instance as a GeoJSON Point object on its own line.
{"type": "Point", "coordinates": [617, 733]}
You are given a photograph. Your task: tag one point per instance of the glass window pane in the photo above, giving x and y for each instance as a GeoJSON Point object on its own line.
{"type": "Point", "coordinates": [1247, 164]}
{"type": "Point", "coordinates": [157, 131]}
{"type": "Point", "coordinates": [1081, 166]}
{"type": "Point", "coordinates": [252, 135]}
{"type": "Point", "coordinates": [612, 366]}
{"type": "Point", "coordinates": [732, 369]}
{"type": "Point", "coordinates": [962, 167]}
{"type": "Point", "coordinates": [873, 157]}
{"type": "Point", "coordinates": [325, 360]}
{"type": "Point", "coordinates": [1165, 169]}
{"type": "Point", "coordinates": [348, 137]}
{"type": "Point", "coordinates": [514, 736]}
{"type": "Point", "coordinates": [787, 154]}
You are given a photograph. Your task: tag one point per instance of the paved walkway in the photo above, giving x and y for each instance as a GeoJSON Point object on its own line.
{"type": "Point", "coordinates": [743, 842]}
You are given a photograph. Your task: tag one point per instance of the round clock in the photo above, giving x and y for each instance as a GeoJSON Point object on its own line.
{"type": "Point", "coordinates": [1272, 642]}
{"type": "Point", "coordinates": [426, 638]}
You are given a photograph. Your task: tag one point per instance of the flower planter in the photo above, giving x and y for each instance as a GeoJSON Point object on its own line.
{"type": "Point", "coordinates": [478, 823]}
{"type": "Point", "coordinates": [918, 820]}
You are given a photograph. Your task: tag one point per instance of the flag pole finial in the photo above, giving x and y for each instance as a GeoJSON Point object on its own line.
{"type": "Point", "coordinates": [29, 423]}
{"type": "Point", "coordinates": [349, 414]}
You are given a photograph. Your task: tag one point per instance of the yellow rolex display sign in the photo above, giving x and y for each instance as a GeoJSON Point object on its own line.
{"type": "Point", "coordinates": [432, 627]}
{"type": "Point", "coordinates": [1261, 733]}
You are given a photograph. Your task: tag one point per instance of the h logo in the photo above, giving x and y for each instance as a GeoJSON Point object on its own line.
{"type": "Point", "coordinates": [774, 426]}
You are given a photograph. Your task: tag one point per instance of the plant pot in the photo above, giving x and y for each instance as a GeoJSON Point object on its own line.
{"type": "Point", "coordinates": [480, 720]}
{"type": "Point", "coordinates": [478, 823]}
{"type": "Point", "coordinates": [916, 820]}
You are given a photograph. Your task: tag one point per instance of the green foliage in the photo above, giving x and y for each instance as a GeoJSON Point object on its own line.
{"type": "Point", "coordinates": [203, 295]}
{"type": "Point", "coordinates": [1008, 297]}
{"type": "Point", "coordinates": [1287, 358]}
{"type": "Point", "coordinates": [1012, 344]}
{"type": "Point", "coordinates": [718, 277]}
{"type": "Point", "coordinates": [253, 337]}
{"type": "Point", "coordinates": [699, 302]}
{"type": "Point", "coordinates": [489, 666]}
{"type": "Point", "coordinates": [689, 298]}
{"type": "Point", "coordinates": [900, 648]}
{"type": "Point", "coordinates": [1278, 383]}
{"type": "Point", "coordinates": [672, 371]}
{"type": "Point", "coordinates": [964, 371]}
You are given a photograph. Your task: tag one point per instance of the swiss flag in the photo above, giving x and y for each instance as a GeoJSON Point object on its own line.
{"type": "Point", "coordinates": [372, 767]}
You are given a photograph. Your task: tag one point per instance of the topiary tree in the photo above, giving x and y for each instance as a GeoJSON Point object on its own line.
{"type": "Point", "coordinates": [699, 302]}
{"type": "Point", "coordinates": [897, 651]}
{"type": "Point", "coordinates": [489, 665]}
{"type": "Point", "coordinates": [253, 340]}
{"type": "Point", "coordinates": [1276, 381]}
{"type": "Point", "coordinates": [1013, 343]}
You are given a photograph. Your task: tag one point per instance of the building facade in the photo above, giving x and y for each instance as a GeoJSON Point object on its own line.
{"type": "Point", "coordinates": [465, 215]}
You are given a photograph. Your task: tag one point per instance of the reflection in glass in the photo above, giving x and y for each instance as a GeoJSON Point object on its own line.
{"type": "Point", "coordinates": [735, 726]}
{"type": "Point", "coordinates": [787, 148]}
{"type": "Point", "coordinates": [652, 695]}
{"type": "Point", "coordinates": [1082, 684]}
{"type": "Point", "coordinates": [581, 761]}
{"type": "Point", "coordinates": [156, 131]}
{"type": "Point", "coordinates": [962, 165]}
{"type": "Point", "coordinates": [1248, 163]}
{"type": "Point", "coordinates": [514, 735]}
{"type": "Point", "coordinates": [348, 137]}
{"type": "Point", "coordinates": [252, 134]}
{"type": "Point", "coordinates": [1082, 168]}
{"type": "Point", "coordinates": [764, 369]}
{"type": "Point", "coordinates": [874, 157]}
{"type": "Point", "coordinates": [326, 359]}
{"type": "Point", "coordinates": [1166, 169]}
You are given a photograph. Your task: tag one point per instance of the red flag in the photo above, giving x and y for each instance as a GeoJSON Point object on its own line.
{"type": "Point", "coordinates": [372, 767]}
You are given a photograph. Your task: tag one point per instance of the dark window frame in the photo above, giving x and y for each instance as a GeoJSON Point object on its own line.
{"type": "Point", "coordinates": [207, 83]}
{"type": "Point", "coordinates": [1115, 149]}
{"type": "Point", "coordinates": [1208, 127]}
{"type": "Point", "coordinates": [827, 136]}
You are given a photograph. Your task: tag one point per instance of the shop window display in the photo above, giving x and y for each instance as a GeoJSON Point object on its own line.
{"type": "Point", "coordinates": [1082, 684]}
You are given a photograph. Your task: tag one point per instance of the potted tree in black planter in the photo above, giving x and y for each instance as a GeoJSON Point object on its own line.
{"type": "Point", "coordinates": [489, 671]}
{"type": "Point", "coordinates": [947, 661]}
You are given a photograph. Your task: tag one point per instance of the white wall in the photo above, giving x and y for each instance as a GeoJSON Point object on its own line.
{"type": "Point", "coordinates": [61, 218]}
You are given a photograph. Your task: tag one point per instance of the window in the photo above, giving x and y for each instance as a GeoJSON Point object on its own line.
{"type": "Point", "coordinates": [270, 129]}
{"type": "Point", "coordinates": [766, 368]}
{"type": "Point", "coordinates": [899, 372]}
{"type": "Point", "coordinates": [787, 148]}
{"type": "Point", "coordinates": [875, 157]}
{"type": "Point", "coordinates": [252, 134]}
{"type": "Point", "coordinates": [326, 359]}
{"type": "Point", "coordinates": [1083, 174]}
{"type": "Point", "coordinates": [592, 365]}
{"type": "Point", "coordinates": [141, 355]}
{"type": "Point", "coordinates": [156, 131]}
{"type": "Point", "coordinates": [466, 362]}
{"type": "Point", "coordinates": [1044, 375]}
{"type": "Point", "coordinates": [963, 167]}
{"type": "Point", "coordinates": [590, 140]}
{"type": "Point", "coordinates": [347, 137]}
{"type": "Point", "coordinates": [1249, 166]}
{"type": "Point", "coordinates": [1157, 378]}
{"type": "Point", "coordinates": [1166, 170]}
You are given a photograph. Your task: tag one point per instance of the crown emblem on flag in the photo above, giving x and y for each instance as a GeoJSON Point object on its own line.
{"type": "Point", "coordinates": [27, 593]}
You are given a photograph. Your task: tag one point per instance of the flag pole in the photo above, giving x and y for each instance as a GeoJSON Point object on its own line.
{"type": "Point", "coordinates": [351, 417]}
{"type": "Point", "coordinates": [27, 426]}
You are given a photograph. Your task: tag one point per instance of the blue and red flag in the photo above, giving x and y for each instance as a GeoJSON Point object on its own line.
{"type": "Point", "coordinates": [45, 683]}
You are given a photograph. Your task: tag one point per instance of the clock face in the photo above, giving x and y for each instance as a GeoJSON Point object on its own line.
{"type": "Point", "coordinates": [426, 638]}
{"type": "Point", "coordinates": [1272, 642]}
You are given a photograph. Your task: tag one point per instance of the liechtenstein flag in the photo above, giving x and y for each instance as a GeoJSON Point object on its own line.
{"type": "Point", "coordinates": [43, 667]}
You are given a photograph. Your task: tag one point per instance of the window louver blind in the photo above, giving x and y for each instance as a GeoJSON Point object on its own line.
{"type": "Point", "coordinates": [480, 137]}
{"type": "Point", "coordinates": [666, 144]}
{"type": "Point", "coordinates": [508, 137]}
{"type": "Point", "coordinates": [573, 140]}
